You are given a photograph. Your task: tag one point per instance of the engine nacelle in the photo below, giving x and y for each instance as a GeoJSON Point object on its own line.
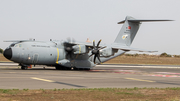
{"type": "Point", "coordinates": [80, 49]}
{"type": "Point", "coordinates": [107, 52]}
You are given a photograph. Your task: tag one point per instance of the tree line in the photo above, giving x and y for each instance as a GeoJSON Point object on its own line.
{"type": "Point", "coordinates": [161, 55]}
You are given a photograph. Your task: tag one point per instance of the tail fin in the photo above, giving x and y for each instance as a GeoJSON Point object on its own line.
{"type": "Point", "coordinates": [129, 30]}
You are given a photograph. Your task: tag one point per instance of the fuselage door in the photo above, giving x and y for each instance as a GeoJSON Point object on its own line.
{"type": "Point", "coordinates": [35, 59]}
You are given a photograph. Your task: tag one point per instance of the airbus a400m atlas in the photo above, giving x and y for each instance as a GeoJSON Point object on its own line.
{"type": "Point", "coordinates": [74, 55]}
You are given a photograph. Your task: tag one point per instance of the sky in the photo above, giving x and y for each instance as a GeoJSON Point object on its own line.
{"type": "Point", "coordinates": [94, 19]}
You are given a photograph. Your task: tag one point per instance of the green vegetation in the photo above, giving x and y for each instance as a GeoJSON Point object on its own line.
{"type": "Point", "coordinates": [131, 54]}
{"type": "Point", "coordinates": [165, 55]}
{"type": "Point", "coordinates": [1, 50]}
{"type": "Point", "coordinates": [92, 94]}
{"type": "Point", "coordinates": [176, 56]}
{"type": "Point", "coordinates": [161, 55]}
{"type": "Point", "coordinates": [25, 89]}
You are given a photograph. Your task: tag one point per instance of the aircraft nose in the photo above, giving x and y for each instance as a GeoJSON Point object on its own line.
{"type": "Point", "coordinates": [8, 53]}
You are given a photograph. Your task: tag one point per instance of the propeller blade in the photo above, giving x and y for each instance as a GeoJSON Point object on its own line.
{"type": "Point", "coordinates": [95, 58]}
{"type": "Point", "coordinates": [71, 56]}
{"type": "Point", "coordinates": [99, 58]}
{"type": "Point", "coordinates": [98, 43]}
{"type": "Point", "coordinates": [101, 48]}
{"type": "Point", "coordinates": [91, 55]}
{"type": "Point", "coordinates": [94, 44]}
{"type": "Point", "coordinates": [67, 56]}
{"type": "Point", "coordinates": [69, 40]}
{"type": "Point", "coordinates": [73, 40]}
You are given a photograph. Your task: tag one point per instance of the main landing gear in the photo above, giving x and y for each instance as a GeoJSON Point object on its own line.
{"type": "Point", "coordinates": [24, 67]}
{"type": "Point", "coordinates": [62, 68]}
{"type": "Point", "coordinates": [72, 68]}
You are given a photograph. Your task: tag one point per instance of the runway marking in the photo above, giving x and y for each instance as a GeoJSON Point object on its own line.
{"type": "Point", "coordinates": [42, 79]}
{"type": "Point", "coordinates": [139, 80]}
{"type": "Point", "coordinates": [57, 82]}
{"type": "Point", "coordinates": [73, 78]}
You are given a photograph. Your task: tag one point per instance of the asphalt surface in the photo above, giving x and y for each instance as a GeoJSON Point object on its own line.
{"type": "Point", "coordinates": [101, 76]}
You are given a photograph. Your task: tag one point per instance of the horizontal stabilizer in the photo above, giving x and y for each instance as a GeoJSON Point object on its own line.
{"type": "Point", "coordinates": [138, 20]}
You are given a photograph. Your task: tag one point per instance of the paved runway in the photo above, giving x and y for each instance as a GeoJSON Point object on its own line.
{"type": "Point", "coordinates": [101, 76]}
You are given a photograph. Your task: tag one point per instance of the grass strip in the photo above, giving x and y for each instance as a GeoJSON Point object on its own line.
{"type": "Point", "coordinates": [92, 94]}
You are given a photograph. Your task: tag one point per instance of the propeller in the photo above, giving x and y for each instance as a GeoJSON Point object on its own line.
{"type": "Point", "coordinates": [69, 52]}
{"type": "Point", "coordinates": [70, 40]}
{"type": "Point", "coordinates": [68, 48]}
{"type": "Point", "coordinates": [95, 51]}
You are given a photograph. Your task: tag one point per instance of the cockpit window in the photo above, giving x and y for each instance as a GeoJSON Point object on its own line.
{"type": "Point", "coordinates": [12, 45]}
{"type": "Point", "coordinates": [15, 44]}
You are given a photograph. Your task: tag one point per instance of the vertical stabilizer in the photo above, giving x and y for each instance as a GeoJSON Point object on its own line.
{"type": "Point", "coordinates": [129, 30]}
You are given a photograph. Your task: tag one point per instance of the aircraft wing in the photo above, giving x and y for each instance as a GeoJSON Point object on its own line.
{"type": "Point", "coordinates": [118, 46]}
{"type": "Point", "coordinates": [17, 40]}
{"type": "Point", "coordinates": [126, 48]}
{"type": "Point", "coordinates": [82, 43]}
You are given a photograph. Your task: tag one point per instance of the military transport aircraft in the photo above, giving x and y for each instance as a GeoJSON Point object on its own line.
{"type": "Point", "coordinates": [71, 54]}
